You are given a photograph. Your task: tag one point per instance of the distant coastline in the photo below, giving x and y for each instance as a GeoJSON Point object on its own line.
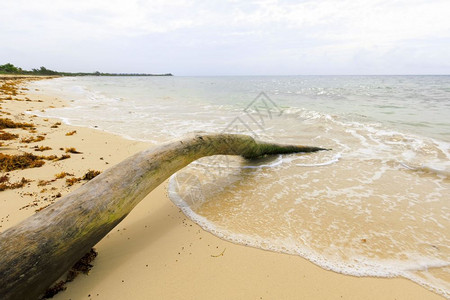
{"type": "Point", "coordinates": [10, 69]}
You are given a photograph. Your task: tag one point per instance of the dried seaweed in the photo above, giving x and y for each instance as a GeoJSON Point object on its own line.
{"type": "Point", "coordinates": [72, 150]}
{"type": "Point", "coordinates": [62, 157]}
{"type": "Point", "coordinates": [82, 266]}
{"type": "Point", "coordinates": [42, 148]}
{"type": "Point", "coordinates": [91, 174]}
{"type": "Point", "coordinates": [8, 123]}
{"type": "Point", "coordinates": [22, 161]}
{"type": "Point", "coordinates": [56, 125]}
{"type": "Point", "coordinates": [45, 182]}
{"type": "Point", "coordinates": [72, 181]}
{"type": "Point", "coordinates": [33, 139]}
{"type": "Point", "coordinates": [6, 185]}
{"type": "Point", "coordinates": [6, 136]}
{"type": "Point", "coordinates": [62, 175]}
{"type": "Point", "coordinates": [71, 133]}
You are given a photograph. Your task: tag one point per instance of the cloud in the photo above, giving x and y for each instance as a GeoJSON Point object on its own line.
{"type": "Point", "coordinates": [247, 33]}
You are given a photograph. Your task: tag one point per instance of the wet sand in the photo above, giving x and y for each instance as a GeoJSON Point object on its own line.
{"type": "Point", "coordinates": [156, 252]}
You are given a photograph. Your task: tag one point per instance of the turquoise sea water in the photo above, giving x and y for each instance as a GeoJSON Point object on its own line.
{"type": "Point", "coordinates": [376, 205]}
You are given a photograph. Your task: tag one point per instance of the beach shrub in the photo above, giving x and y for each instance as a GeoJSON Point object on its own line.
{"type": "Point", "coordinates": [10, 69]}
{"type": "Point", "coordinates": [44, 71]}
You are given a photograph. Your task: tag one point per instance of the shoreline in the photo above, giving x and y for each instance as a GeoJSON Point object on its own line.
{"type": "Point", "coordinates": [157, 252]}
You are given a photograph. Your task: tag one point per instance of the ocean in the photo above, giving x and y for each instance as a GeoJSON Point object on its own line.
{"type": "Point", "coordinates": [377, 204]}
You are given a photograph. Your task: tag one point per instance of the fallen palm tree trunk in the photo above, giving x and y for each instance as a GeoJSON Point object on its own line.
{"type": "Point", "coordinates": [37, 251]}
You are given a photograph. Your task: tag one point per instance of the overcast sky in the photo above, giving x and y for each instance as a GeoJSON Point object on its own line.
{"type": "Point", "coordinates": [233, 37]}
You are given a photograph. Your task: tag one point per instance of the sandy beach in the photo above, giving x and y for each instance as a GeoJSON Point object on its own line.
{"type": "Point", "coordinates": [156, 252]}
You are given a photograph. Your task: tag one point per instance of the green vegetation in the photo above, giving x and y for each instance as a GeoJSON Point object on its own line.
{"type": "Point", "coordinates": [11, 69]}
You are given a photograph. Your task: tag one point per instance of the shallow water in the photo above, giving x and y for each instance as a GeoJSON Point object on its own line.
{"type": "Point", "coordinates": [377, 204]}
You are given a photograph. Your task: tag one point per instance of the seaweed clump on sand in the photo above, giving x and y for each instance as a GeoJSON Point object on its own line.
{"type": "Point", "coordinates": [6, 136]}
{"type": "Point", "coordinates": [52, 291]}
{"type": "Point", "coordinates": [72, 181]}
{"type": "Point", "coordinates": [9, 87]}
{"type": "Point", "coordinates": [25, 161]}
{"type": "Point", "coordinates": [82, 266]}
{"type": "Point", "coordinates": [55, 158]}
{"type": "Point", "coordinates": [72, 150]}
{"type": "Point", "coordinates": [21, 161]}
{"type": "Point", "coordinates": [8, 123]}
{"type": "Point", "coordinates": [56, 125]}
{"type": "Point", "coordinates": [5, 184]}
{"type": "Point", "coordinates": [33, 139]}
{"type": "Point", "coordinates": [91, 174]}
{"type": "Point", "coordinates": [62, 175]}
{"type": "Point", "coordinates": [71, 133]}
{"type": "Point", "coordinates": [42, 148]}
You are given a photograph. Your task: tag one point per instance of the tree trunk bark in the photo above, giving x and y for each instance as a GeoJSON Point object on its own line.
{"type": "Point", "coordinates": [40, 249]}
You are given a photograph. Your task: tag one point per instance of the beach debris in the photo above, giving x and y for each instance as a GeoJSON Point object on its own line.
{"type": "Point", "coordinates": [88, 176]}
{"type": "Point", "coordinates": [42, 148]}
{"type": "Point", "coordinates": [20, 161]}
{"type": "Point", "coordinates": [220, 254]}
{"type": "Point", "coordinates": [62, 175]}
{"type": "Point", "coordinates": [55, 289]}
{"type": "Point", "coordinates": [62, 157]}
{"type": "Point", "coordinates": [33, 139]}
{"type": "Point", "coordinates": [8, 123]}
{"type": "Point", "coordinates": [24, 161]}
{"type": "Point", "coordinates": [45, 182]}
{"type": "Point", "coordinates": [40, 249]}
{"type": "Point", "coordinates": [56, 125]}
{"type": "Point", "coordinates": [9, 87]}
{"type": "Point", "coordinates": [72, 150]}
{"type": "Point", "coordinates": [82, 266]}
{"type": "Point", "coordinates": [72, 181]}
{"type": "Point", "coordinates": [6, 185]}
{"type": "Point", "coordinates": [71, 132]}
{"type": "Point", "coordinates": [91, 174]}
{"type": "Point", "coordinates": [6, 136]}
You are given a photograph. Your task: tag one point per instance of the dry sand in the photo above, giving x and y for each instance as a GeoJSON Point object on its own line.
{"type": "Point", "coordinates": [156, 252]}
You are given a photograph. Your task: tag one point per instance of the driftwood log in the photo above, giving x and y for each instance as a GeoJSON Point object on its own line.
{"type": "Point", "coordinates": [40, 249]}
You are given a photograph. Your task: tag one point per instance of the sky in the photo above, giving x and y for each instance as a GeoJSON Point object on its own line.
{"type": "Point", "coordinates": [197, 38]}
